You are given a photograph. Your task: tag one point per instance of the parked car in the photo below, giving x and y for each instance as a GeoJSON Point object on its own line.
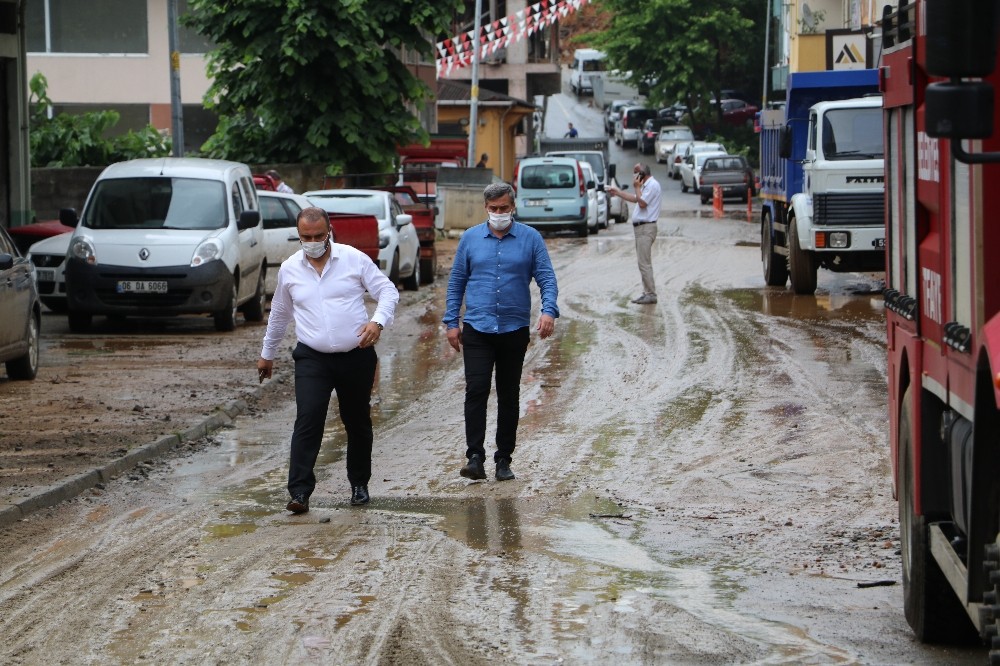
{"type": "Point", "coordinates": [684, 148]}
{"type": "Point", "coordinates": [731, 173]}
{"type": "Point", "coordinates": [651, 130]}
{"type": "Point", "coordinates": [691, 169]}
{"type": "Point", "coordinates": [48, 256]}
{"type": "Point", "coordinates": [614, 112]}
{"type": "Point", "coordinates": [279, 212]}
{"type": "Point", "coordinates": [593, 205]}
{"type": "Point", "coordinates": [21, 312]}
{"type": "Point", "coordinates": [551, 194]}
{"type": "Point", "coordinates": [667, 137]}
{"type": "Point", "coordinates": [168, 236]}
{"type": "Point", "coordinates": [629, 126]}
{"type": "Point", "coordinates": [399, 253]}
{"type": "Point", "coordinates": [27, 235]}
{"type": "Point", "coordinates": [674, 111]}
{"type": "Point", "coordinates": [736, 112]}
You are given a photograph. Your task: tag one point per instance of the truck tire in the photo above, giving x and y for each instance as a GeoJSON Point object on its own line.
{"type": "Point", "coordinates": [26, 367]}
{"type": "Point", "coordinates": [253, 310]}
{"type": "Point", "coordinates": [932, 610]}
{"type": "Point", "coordinates": [801, 266]}
{"type": "Point", "coordinates": [225, 319]}
{"type": "Point", "coordinates": [775, 265]}
{"type": "Point", "coordinates": [428, 267]}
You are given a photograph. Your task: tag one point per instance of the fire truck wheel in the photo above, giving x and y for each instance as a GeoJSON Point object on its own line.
{"type": "Point", "coordinates": [931, 608]}
{"type": "Point", "coordinates": [801, 266]}
{"type": "Point", "coordinates": [775, 266]}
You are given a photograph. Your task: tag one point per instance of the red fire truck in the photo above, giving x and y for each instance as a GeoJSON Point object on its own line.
{"type": "Point", "coordinates": [939, 76]}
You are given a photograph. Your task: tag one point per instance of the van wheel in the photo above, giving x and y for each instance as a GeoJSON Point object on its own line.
{"type": "Point", "coordinates": [26, 367]}
{"type": "Point", "coordinates": [79, 322]}
{"type": "Point", "coordinates": [225, 319]}
{"type": "Point", "coordinates": [253, 310]}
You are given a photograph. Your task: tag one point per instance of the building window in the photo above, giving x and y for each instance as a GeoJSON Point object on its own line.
{"type": "Point", "coordinates": [190, 41]}
{"type": "Point", "coordinates": [71, 26]}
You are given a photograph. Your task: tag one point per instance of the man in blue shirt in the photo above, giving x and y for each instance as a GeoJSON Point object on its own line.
{"type": "Point", "coordinates": [493, 268]}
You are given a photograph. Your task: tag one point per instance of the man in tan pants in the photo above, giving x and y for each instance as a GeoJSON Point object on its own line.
{"type": "Point", "coordinates": [647, 211]}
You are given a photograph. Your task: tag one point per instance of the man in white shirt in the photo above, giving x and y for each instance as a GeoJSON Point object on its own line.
{"type": "Point", "coordinates": [647, 199]}
{"type": "Point", "coordinates": [322, 288]}
{"type": "Point", "coordinates": [279, 184]}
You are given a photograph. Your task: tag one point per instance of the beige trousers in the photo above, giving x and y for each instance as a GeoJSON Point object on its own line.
{"type": "Point", "coordinates": [645, 234]}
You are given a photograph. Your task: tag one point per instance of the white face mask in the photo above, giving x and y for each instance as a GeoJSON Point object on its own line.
{"type": "Point", "coordinates": [314, 249]}
{"type": "Point", "coordinates": [500, 221]}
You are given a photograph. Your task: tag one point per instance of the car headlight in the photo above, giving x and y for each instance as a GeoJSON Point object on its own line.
{"type": "Point", "coordinates": [83, 248]}
{"type": "Point", "coordinates": [210, 249]}
{"type": "Point", "coordinates": [383, 239]}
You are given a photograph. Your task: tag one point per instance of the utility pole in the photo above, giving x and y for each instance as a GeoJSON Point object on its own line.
{"type": "Point", "coordinates": [176, 111]}
{"type": "Point", "coordinates": [474, 93]}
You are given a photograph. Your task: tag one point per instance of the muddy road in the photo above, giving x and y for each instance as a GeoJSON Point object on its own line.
{"type": "Point", "coordinates": [705, 480]}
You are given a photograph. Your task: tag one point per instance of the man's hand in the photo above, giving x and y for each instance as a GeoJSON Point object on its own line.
{"type": "Point", "coordinates": [546, 325]}
{"type": "Point", "coordinates": [455, 338]}
{"type": "Point", "coordinates": [264, 368]}
{"type": "Point", "coordinates": [369, 335]}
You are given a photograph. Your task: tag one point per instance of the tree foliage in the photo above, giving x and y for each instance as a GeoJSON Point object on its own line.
{"type": "Point", "coordinates": [315, 80]}
{"type": "Point", "coordinates": [69, 140]}
{"type": "Point", "coordinates": [689, 50]}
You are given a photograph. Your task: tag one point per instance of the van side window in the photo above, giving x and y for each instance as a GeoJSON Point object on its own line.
{"type": "Point", "coordinates": [237, 199]}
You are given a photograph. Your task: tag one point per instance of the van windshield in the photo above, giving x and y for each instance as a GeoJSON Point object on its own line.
{"type": "Point", "coordinates": [595, 160]}
{"type": "Point", "coordinates": [157, 203]}
{"type": "Point", "coordinates": [357, 204]}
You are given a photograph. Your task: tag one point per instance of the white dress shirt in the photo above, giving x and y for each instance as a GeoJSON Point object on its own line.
{"type": "Point", "coordinates": [652, 194]}
{"type": "Point", "coordinates": [329, 307]}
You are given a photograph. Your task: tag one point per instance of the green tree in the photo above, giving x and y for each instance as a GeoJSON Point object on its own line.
{"type": "Point", "coordinates": [69, 140]}
{"type": "Point", "coordinates": [315, 80]}
{"type": "Point", "coordinates": [688, 49]}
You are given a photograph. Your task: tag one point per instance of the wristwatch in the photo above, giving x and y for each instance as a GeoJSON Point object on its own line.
{"type": "Point", "coordinates": [380, 326]}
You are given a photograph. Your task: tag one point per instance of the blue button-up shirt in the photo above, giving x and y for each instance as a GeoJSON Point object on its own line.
{"type": "Point", "coordinates": [494, 274]}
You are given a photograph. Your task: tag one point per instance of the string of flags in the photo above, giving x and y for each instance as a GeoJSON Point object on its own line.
{"type": "Point", "coordinates": [457, 51]}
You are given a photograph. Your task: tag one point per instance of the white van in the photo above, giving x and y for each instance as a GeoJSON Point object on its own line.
{"type": "Point", "coordinates": [168, 236]}
{"type": "Point", "coordinates": [587, 63]}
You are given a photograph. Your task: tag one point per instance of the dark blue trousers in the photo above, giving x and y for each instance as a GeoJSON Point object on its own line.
{"type": "Point", "coordinates": [483, 353]}
{"type": "Point", "coordinates": [317, 375]}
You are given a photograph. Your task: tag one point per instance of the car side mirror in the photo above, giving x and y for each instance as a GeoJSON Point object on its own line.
{"type": "Point", "coordinates": [6, 261]}
{"type": "Point", "coordinates": [403, 220]}
{"type": "Point", "coordinates": [590, 184]}
{"type": "Point", "coordinates": [600, 187]}
{"type": "Point", "coordinates": [248, 220]}
{"type": "Point", "coordinates": [611, 171]}
{"type": "Point", "coordinates": [68, 217]}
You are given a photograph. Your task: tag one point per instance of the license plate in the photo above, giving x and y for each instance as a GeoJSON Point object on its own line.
{"type": "Point", "coordinates": [142, 287]}
{"type": "Point", "coordinates": [46, 274]}
{"type": "Point", "coordinates": [536, 202]}
{"type": "Point", "coordinates": [878, 242]}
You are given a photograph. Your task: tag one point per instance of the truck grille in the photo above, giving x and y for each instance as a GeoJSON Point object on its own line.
{"type": "Point", "coordinates": [844, 208]}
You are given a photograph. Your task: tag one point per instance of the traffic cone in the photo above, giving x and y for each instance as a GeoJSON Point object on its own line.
{"type": "Point", "coordinates": [717, 201]}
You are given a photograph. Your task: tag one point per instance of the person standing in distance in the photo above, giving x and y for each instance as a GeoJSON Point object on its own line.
{"type": "Point", "coordinates": [647, 199]}
{"type": "Point", "coordinates": [572, 133]}
{"type": "Point", "coordinates": [492, 272]}
{"type": "Point", "coordinates": [322, 289]}
{"type": "Point", "coordinates": [279, 184]}
{"type": "Point", "coordinates": [481, 164]}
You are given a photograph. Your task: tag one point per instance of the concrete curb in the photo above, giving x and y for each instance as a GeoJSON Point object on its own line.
{"type": "Point", "coordinates": [73, 486]}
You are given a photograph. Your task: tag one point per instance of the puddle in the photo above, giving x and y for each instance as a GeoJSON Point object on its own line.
{"type": "Point", "coordinates": [856, 305]}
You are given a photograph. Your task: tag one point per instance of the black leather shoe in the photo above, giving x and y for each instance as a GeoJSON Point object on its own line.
{"type": "Point", "coordinates": [299, 504]}
{"type": "Point", "coordinates": [359, 495]}
{"type": "Point", "coordinates": [503, 471]}
{"type": "Point", "coordinates": [474, 468]}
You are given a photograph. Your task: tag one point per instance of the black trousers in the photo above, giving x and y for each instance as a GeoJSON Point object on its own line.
{"type": "Point", "coordinates": [317, 375]}
{"type": "Point", "coordinates": [484, 352]}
